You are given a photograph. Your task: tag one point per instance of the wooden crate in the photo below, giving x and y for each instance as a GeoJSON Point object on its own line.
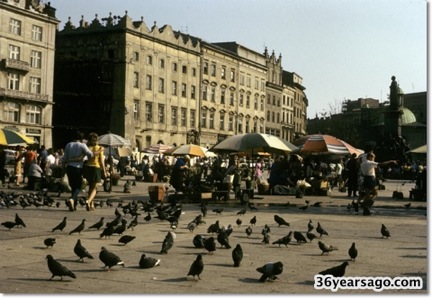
{"type": "Point", "coordinates": [156, 193]}
{"type": "Point", "coordinates": [151, 178]}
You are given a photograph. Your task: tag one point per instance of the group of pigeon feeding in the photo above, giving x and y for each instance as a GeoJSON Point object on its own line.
{"type": "Point", "coordinates": [171, 213]}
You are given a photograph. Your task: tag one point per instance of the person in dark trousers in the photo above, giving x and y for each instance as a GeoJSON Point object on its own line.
{"type": "Point", "coordinates": [352, 166]}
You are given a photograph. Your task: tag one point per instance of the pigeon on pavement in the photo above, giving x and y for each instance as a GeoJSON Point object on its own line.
{"type": "Point", "coordinates": [280, 221]}
{"type": "Point", "coordinates": [284, 240]}
{"type": "Point", "coordinates": [223, 240]}
{"type": "Point", "coordinates": [210, 245]}
{"type": "Point", "coordinates": [109, 259]}
{"type": "Point", "coordinates": [353, 252]}
{"type": "Point", "coordinates": [79, 228]}
{"type": "Point", "coordinates": [320, 230]}
{"type": "Point", "coordinates": [218, 210]}
{"type": "Point", "coordinates": [81, 251]}
{"type": "Point", "coordinates": [326, 248]}
{"type": "Point", "coordinates": [98, 225]}
{"type": "Point", "coordinates": [310, 235]}
{"type": "Point", "coordinates": [107, 232]}
{"type": "Point", "coordinates": [9, 224]}
{"type": "Point", "coordinates": [197, 267]}
{"type": "Point", "coordinates": [270, 271]}
{"type": "Point", "coordinates": [253, 221]}
{"type": "Point", "coordinates": [299, 237]}
{"type": "Point", "coordinates": [237, 255]}
{"type": "Point", "coordinates": [148, 262]}
{"type": "Point", "coordinates": [167, 244]}
{"type": "Point", "coordinates": [384, 231]}
{"type": "Point", "coordinates": [249, 231]}
{"type": "Point", "coordinates": [125, 239]}
{"type": "Point", "coordinates": [337, 271]}
{"type": "Point", "coordinates": [58, 269]}
{"type": "Point", "coordinates": [198, 241]}
{"type": "Point", "coordinates": [49, 242]}
{"type": "Point", "coordinates": [19, 221]}
{"type": "Point", "coordinates": [61, 225]}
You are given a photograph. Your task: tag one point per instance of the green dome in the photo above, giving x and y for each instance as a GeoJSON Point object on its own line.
{"type": "Point", "coordinates": [407, 116]}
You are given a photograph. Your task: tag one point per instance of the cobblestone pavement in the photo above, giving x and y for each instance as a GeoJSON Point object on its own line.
{"type": "Point", "coordinates": [24, 268]}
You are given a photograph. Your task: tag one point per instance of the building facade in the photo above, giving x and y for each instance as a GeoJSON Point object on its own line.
{"type": "Point", "coordinates": [27, 46]}
{"type": "Point", "coordinates": [157, 84]}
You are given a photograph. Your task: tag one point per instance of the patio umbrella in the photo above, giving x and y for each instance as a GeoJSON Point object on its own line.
{"type": "Point", "coordinates": [420, 150]}
{"type": "Point", "coordinates": [13, 138]}
{"type": "Point", "coordinates": [157, 149]}
{"type": "Point", "coordinates": [253, 143]}
{"type": "Point", "coordinates": [190, 149]}
{"type": "Point", "coordinates": [317, 144]}
{"type": "Point", "coordinates": [113, 140]}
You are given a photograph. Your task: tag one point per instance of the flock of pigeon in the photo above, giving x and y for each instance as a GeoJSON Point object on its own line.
{"type": "Point", "coordinates": [171, 213]}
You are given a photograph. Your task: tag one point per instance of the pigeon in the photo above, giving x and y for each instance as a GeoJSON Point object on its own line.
{"type": "Point", "coordinates": [299, 237]}
{"type": "Point", "coordinates": [107, 232]}
{"type": "Point", "coordinates": [310, 235]}
{"type": "Point", "coordinates": [337, 271]}
{"type": "Point", "coordinates": [242, 212]}
{"type": "Point", "coordinates": [239, 222]}
{"type": "Point", "coordinates": [266, 230]}
{"type": "Point", "coordinates": [98, 225]}
{"type": "Point", "coordinates": [109, 259]}
{"type": "Point", "coordinates": [79, 228]}
{"type": "Point", "coordinates": [148, 217]}
{"type": "Point", "coordinates": [81, 251]}
{"type": "Point", "coordinates": [352, 252]}
{"type": "Point", "coordinates": [218, 210]}
{"type": "Point", "coordinates": [197, 267]}
{"type": "Point", "coordinates": [58, 269]}
{"type": "Point", "coordinates": [237, 255]}
{"type": "Point", "coordinates": [304, 207]}
{"type": "Point", "coordinates": [253, 221]}
{"type": "Point", "coordinates": [198, 241]}
{"type": "Point", "coordinates": [384, 231]}
{"type": "Point", "coordinates": [61, 225]}
{"type": "Point", "coordinates": [148, 262]}
{"type": "Point", "coordinates": [310, 225]}
{"type": "Point", "coordinates": [117, 213]}
{"type": "Point", "coordinates": [127, 186]}
{"type": "Point", "coordinates": [326, 248]}
{"type": "Point", "coordinates": [121, 228]}
{"type": "Point", "coordinates": [9, 224]}
{"type": "Point", "coordinates": [125, 239]}
{"type": "Point", "coordinates": [317, 204]}
{"type": "Point", "coordinates": [167, 244]}
{"type": "Point", "coordinates": [19, 221]}
{"type": "Point", "coordinates": [49, 242]}
{"type": "Point", "coordinates": [270, 271]}
{"type": "Point", "coordinates": [223, 239]}
{"type": "Point", "coordinates": [407, 205]}
{"type": "Point", "coordinates": [266, 238]}
{"type": "Point", "coordinates": [133, 223]}
{"type": "Point", "coordinates": [210, 245]}
{"type": "Point", "coordinates": [249, 231]}
{"type": "Point", "coordinates": [284, 240]}
{"type": "Point", "coordinates": [204, 210]}
{"type": "Point", "coordinates": [320, 230]}
{"type": "Point", "coordinates": [191, 226]}
{"type": "Point", "coordinates": [280, 221]}
{"type": "Point", "coordinates": [252, 206]}
{"type": "Point", "coordinates": [214, 228]}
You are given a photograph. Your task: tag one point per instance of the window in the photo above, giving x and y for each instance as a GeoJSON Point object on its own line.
{"type": "Point", "coordinates": [211, 119]}
{"type": "Point", "coordinates": [174, 115]}
{"type": "Point", "coordinates": [192, 118]}
{"type": "Point", "coordinates": [13, 81]}
{"type": "Point", "coordinates": [149, 111]}
{"type": "Point", "coordinates": [183, 117]}
{"type": "Point", "coordinates": [223, 72]}
{"type": "Point", "coordinates": [247, 101]}
{"type": "Point", "coordinates": [148, 82]}
{"type": "Point", "coordinates": [256, 102]}
{"type": "Point", "coordinates": [222, 98]}
{"type": "Point", "coordinates": [213, 94]}
{"type": "Point", "coordinates": [193, 90]}
{"type": "Point", "coordinates": [136, 109]}
{"type": "Point", "coordinates": [14, 52]}
{"type": "Point", "coordinates": [135, 56]}
{"type": "Point", "coordinates": [36, 59]}
{"type": "Point", "coordinates": [268, 99]}
{"type": "Point", "coordinates": [248, 81]}
{"type": "Point", "coordinates": [241, 99]}
{"type": "Point", "coordinates": [161, 63]}
{"type": "Point", "coordinates": [184, 69]}
{"type": "Point", "coordinates": [240, 124]}
{"type": "Point", "coordinates": [231, 123]}
{"type": "Point", "coordinates": [222, 121]}
{"type": "Point", "coordinates": [247, 126]}
{"type": "Point", "coordinates": [213, 70]}
{"type": "Point", "coordinates": [262, 104]}
{"type": "Point", "coordinates": [149, 60]}
{"type": "Point", "coordinates": [274, 100]}
{"type": "Point", "coordinates": [232, 75]}
{"type": "Point", "coordinates": [183, 90]}
{"type": "Point", "coordinates": [194, 72]}
{"type": "Point", "coordinates": [136, 80]}
{"type": "Point", "coordinates": [174, 66]}
{"type": "Point", "coordinates": [273, 117]}
{"type": "Point", "coordinates": [35, 85]}
{"type": "Point", "coordinates": [278, 102]}
{"type": "Point", "coordinates": [256, 83]}
{"type": "Point", "coordinates": [268, 116]}
{"type": "Point", "coordinates": [161, 113]}
{"type": "Point", "coordinates": [161, 85]}
{"type": "Point", "coordinates": [255, 126]}
{"type": "Point", "coordinates": [262, 85]}
{"type": "Point", "coordinates": [11, 112]}
{"type": "Point", "coordinates": [15, 27]}
{"type": "Point", "coordinates": [33, 114]}
{"type": "Point", "coordinates": [174, 88]}
{"type": "Point", "coordinates": [203, 118]}
{"type": "Point", "coordinates": [36, 33]}
{"type": "Point", "coordinates": [231, 98]}
{"type": "Point", "coordinates": [205, 92]}
{"type": "Point", "coordinates": [242, 81]}
{"type": "Point", "coordinates": [278, 118]}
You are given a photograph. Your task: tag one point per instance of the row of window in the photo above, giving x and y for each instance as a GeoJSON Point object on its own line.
{"type": "Point", "coordinates": [14, 83]}
{"type": "Point", "coordinates": [15, 27]}
{"type": "Point", "coordinates": [35, 56]}
{"type": "Point", "coordinates": [161, 64]}
{"type": "Point", "coordinates": [12, 113]}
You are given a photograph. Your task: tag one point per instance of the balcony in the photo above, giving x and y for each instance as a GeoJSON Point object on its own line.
{"type": "Point", "coordinates": [16, 64]}
{"type": "Point", "coordinates": [42, 98]}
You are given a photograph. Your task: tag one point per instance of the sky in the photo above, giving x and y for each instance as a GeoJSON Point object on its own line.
{"type": "Point", "coordinates": [343, 49]}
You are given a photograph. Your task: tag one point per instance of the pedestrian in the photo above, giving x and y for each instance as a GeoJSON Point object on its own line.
{"type": "Point", "coordinates": [35, 177]}
{"type": "Point", "coordinates": [179, 173]}
{"type": "Point", "coordinates": [258, 171]}
{"type": "Point", "coordinates": [29, 158]}
{"type": "Point", "coordinates": [352, 166]}
{"type": "Point", "coordinates": [18, 165]}
{"type": "Point", "coordinates": [3, 169]}
{"type": "Point", "coordinates": [94, 169]}
{"type": "Point", "coordinates": [73, 161]}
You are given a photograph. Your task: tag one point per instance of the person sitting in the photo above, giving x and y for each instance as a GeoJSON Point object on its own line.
{"type": "Point", "coordinates": [35, 177]}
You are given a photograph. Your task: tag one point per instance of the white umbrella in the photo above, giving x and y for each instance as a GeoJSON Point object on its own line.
{"type": "Point", "coordinates": [113, 140]}
{"type": "Point", "coordinates": [421, 150]}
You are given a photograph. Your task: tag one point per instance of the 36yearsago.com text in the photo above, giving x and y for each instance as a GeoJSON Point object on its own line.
{"type": "Point", "coordinates": [377, 284]}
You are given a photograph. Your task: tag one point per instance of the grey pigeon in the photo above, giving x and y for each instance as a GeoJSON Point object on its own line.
{"type": "Point", "coordinates": [58, 269]}
{"type": "Point", "coordinates": [248, 231]}
{"type": "Point", "coordinates": [81, 251]}
{"type": "Point", "coordinates": [107, 232]}
{"type": "Point", "coordinates": [148, 262]}
{"type": "Point", "coordinates": [61, 225]}
{"type": "Point", "coordinates": [9, 224]}
{"type": "Point", "coordinates": [239, 222]}
{"type": "Point", "coordinates": [109, 259]}
{"type": "Point", "coordinates": [218, 210]}
{"type": "Point", "coordinates": [19, 221]}
{"type": "Point", "coordinates": [223, 240]}
{"type": "Point", "coordinates": [337, 271]}
{"type": "Point", "coordinates": [79, 228]}
{"type": "Point", "coordinates": [214, 228]}
{"type": "Point", "coordinates": [266, 230]}
{"type": "Point", "coordinates": [266, 238]}
{"type": "Point", "coordinates": [280, 221]}
{"type": "Point", "coordinates": [384, 231]}
{"type": "Point", "coordinates": [167, 244]}
{"type": "Point", "coordinates": [242, 212]}
{"type": "Point", "coordinates": [352, 252]}
{"type": "Point", "coordinates": [148, 217]}
{"type": "Point", "coordinates": [198, 241]}
{"type": "Point", "coordinates": [284, 240]}
{"type": "Point", "coordinates": [320, 230]}
{"type": "Point", "coordinates": [98, 225]}
{"type": "Point", "coordinates": [125, 239]}
{"type": "Point", "coordinates": [197, 267]}
{"type": "Point", "coordinates": [120, 228]}
{"type": "Point", "coordinates": [253, 221]}
{"type": "Point", "coordinates": [210, 245]}
{"type": "Point", "coordinates": [310, 235]}
{"type": "Point", "coordinates": [133, 223]}
{"type": "Point", "coordinates": [49, 242]}
{"type": "Point", "coordinates": [237, 255]}
{"type": "Point", "coordinates": [191, 226]}
{"type": "Point", "coordinates": [310, 225]}
{"type": "Point", "coordinates": [299, 237]}
{"type": "Point", "coordinates": [270, 271]}
{"type": "Point", "coordinates": [325, 248]}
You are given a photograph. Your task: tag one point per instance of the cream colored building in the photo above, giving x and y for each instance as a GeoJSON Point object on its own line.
{"type": "Point", "coordinates": [27, 45]}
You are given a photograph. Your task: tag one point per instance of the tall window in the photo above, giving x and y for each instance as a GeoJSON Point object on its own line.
{"type": "Point", "coordinates": [211, 119]}
{"type": "Point", "coordinates": [14, 52]}
{"type": "Point", "coordinates": [192, 118]}
{"type": "Point", "coordinates": [183, 90]}
{"type": "Point", "coordinates": [223, 72]}
{"type": "Point", "coordinates": [11, 112]}
{"type": "Point", "coordinates": [193, 71]}
{"type": "Point", "coordinates": [232, 75]}
{"type": "Point", "coordinates": [184, 69]}
{"type": "Point", "coordinates": [205, 68]}
{"type": "Point", "coordinates": [161, 113]}
{"type": "Point", "coordinates": [161, 63]}
{"type": "Point", "coordinates": [213, 94]}
{"type": "Point", "coordinates": [240, 124]}
{"type": "Point", "coordinates": [148, 82]}
{"type": "Point", "coordinates": [231, 98]}
{"type": "Point", "coordinates": [37, 33]}
{"type": "Point", "coordinates": [205, 92]}
{"type": "Point", "coordinates": [35, 85]}
{"type": "Point", "coordinates": [268, 116]}
{"type": "Point", "coordinates": [203, 118]}
{"type": "Point", "coordinates": [36, 59]}
{"type": "Point", "coordinates": [213, 69]}
{"type": "Point", "coordinates": [149, 60]}
{"type": "Point", "coordinates": [262, 104]}
{"type": "Point", "coordinates": [174, 88]}
{"type": "Point", "coordinates": [241, 99]}
{"type": "Point", "coordinates": [247, 125]}
{"type": "Point", "coordinates": [136, 79]}
{"type": "Point", "coordinates": [149, 111]}
{"type": "Point", "coordinates": [248, 81]}
{"type": "Point", "coordinates": [15, 26]}
{"type": "Point", "coordinates": [14, 81]}
{"type": "Point", "coordinates": [231, 122]}
{"type": "Point", "coordinates": [174, 66]}
{"type": "Point", "coordinates": [222, 100]}
{"type": "Point", "coordinates": [161, 85]}
{"type": "Point", "coordinates": [135, 56]}
{"type": "Point", "coordinates": [256, 102]}
{"type": "Point", "coordinates": [222, 121]}
{"type": "Point", "coordinates": [255, 126]}
{"type": "Point", "coordinates": [136, 109]}
{"type": "Point", "coordinates": [174, 115]}
{"type": "Point", "coordinates": [193, 91]}
{"type": "Point", "coordinates": [256, 83]}
{"type": "Point", "coordinates": [247, 101]}
{"type": "Point", "coordinates": [183, 117]}
{"type": "Point", "coordinates": [33, 114]}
